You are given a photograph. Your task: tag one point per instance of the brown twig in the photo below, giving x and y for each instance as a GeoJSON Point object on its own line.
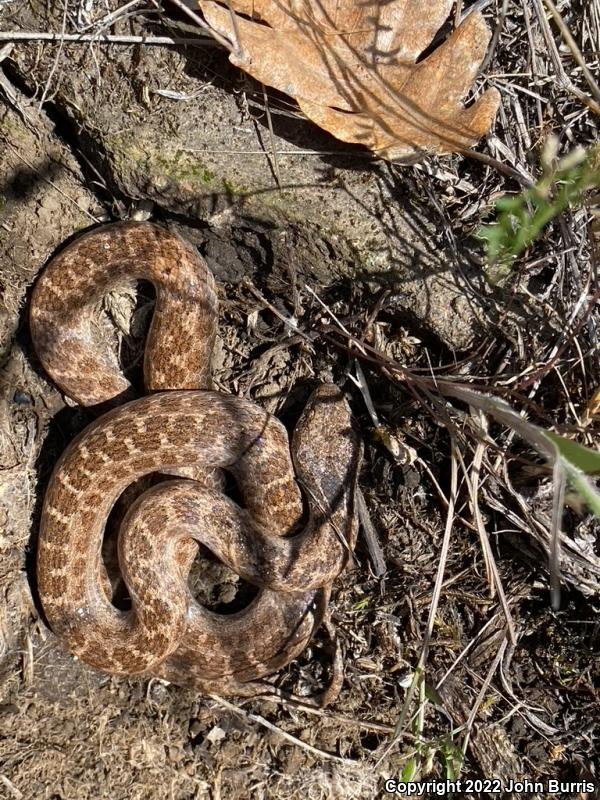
{"type": "Point", "coordinates": [102, 38]}
{"type": "Point", "coordinates": [249, 715]}
{"type": "Point", "coordinates": [576, 52]}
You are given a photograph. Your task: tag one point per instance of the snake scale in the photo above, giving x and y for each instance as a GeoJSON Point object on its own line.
{"type": "Point", "coordinates": [189, 434]}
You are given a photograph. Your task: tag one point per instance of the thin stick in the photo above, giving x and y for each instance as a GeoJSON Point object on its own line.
{"type": "Point", "coordinates": [5, 51]}
{"type": "Point", "coordinates": [235, 29]}
{"type": "Point", "coordinates": [482, 692]}
{"type": "Point", "coordinates": [328, 311]}
{"type": "Point", "coordinates": [271, 137]}
{"type": "Point", "coordinates": [439, 578]}
{"type": "Point", "coordinates": [490, 562]}
{"type": "Point", "coordinates": [288, 737]}
{"type": "Point", "coordinates": [204, 25]}
{"type": "Point", "coordinates": [361, 383]}
{"type": "Point", "coordinates": [573, 47]}
{"type": "Point", "coordinates": [556, 60]}
{"type": "Point", "coordinates": [289, 322]}
{"type": "Point", "coordinates": [558, 505]}
{"type": "Point", "coordinates": [433, 607]}
{"type": "Point", "coordinates": [494, 43]}
{"type": "Point", "coordinates": [478, 637]}
{"type": "Point", "coordinates": [458, 14]}
{"type": "Point", "coordinates": [299, 705]}
{"type": "Point", "coordinates": [100, 38]}
{"type": "Point", "coordinates": [111, 17]}
{"type": "Point", "coordinates": [55, 64]}
{"type": "Point", "coordinates": [378, 564]}
{"type": "Point", "coordinates": [526, 181]}
{"type": "Point", "coordinates": [17, 793]}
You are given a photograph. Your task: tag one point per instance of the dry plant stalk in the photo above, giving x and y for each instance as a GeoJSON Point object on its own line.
{"type": "Point", "coordinates": [352, 67]}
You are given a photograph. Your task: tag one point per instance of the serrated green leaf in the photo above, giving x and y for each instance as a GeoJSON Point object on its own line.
{"type": "Point", "coordinates": [522, 218]}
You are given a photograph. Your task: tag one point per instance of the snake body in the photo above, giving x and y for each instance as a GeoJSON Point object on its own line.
{"type": "Point", "coordinates": [185, 431]}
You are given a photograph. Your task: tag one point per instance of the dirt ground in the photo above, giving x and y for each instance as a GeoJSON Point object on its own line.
{"type": "Point", "coordinates": [98, 132]}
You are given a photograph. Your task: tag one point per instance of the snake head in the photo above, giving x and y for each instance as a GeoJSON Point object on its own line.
{"type": "Point", "coordinates": [327, 452]}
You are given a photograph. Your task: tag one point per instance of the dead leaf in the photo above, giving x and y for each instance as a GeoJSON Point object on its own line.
{"type": "Point", "coordinates": [353, 68]}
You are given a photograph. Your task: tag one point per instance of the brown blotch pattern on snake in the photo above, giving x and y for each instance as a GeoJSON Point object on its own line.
{"type": "Point", "coordinates": [182, 428]}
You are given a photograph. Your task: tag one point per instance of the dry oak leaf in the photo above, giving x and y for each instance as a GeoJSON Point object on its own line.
{"type": "Point", "coordinates": [351, 65]}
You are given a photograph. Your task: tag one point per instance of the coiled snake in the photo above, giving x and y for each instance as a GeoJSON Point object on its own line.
{"type": "Point", "coordinates": [181, 429]}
